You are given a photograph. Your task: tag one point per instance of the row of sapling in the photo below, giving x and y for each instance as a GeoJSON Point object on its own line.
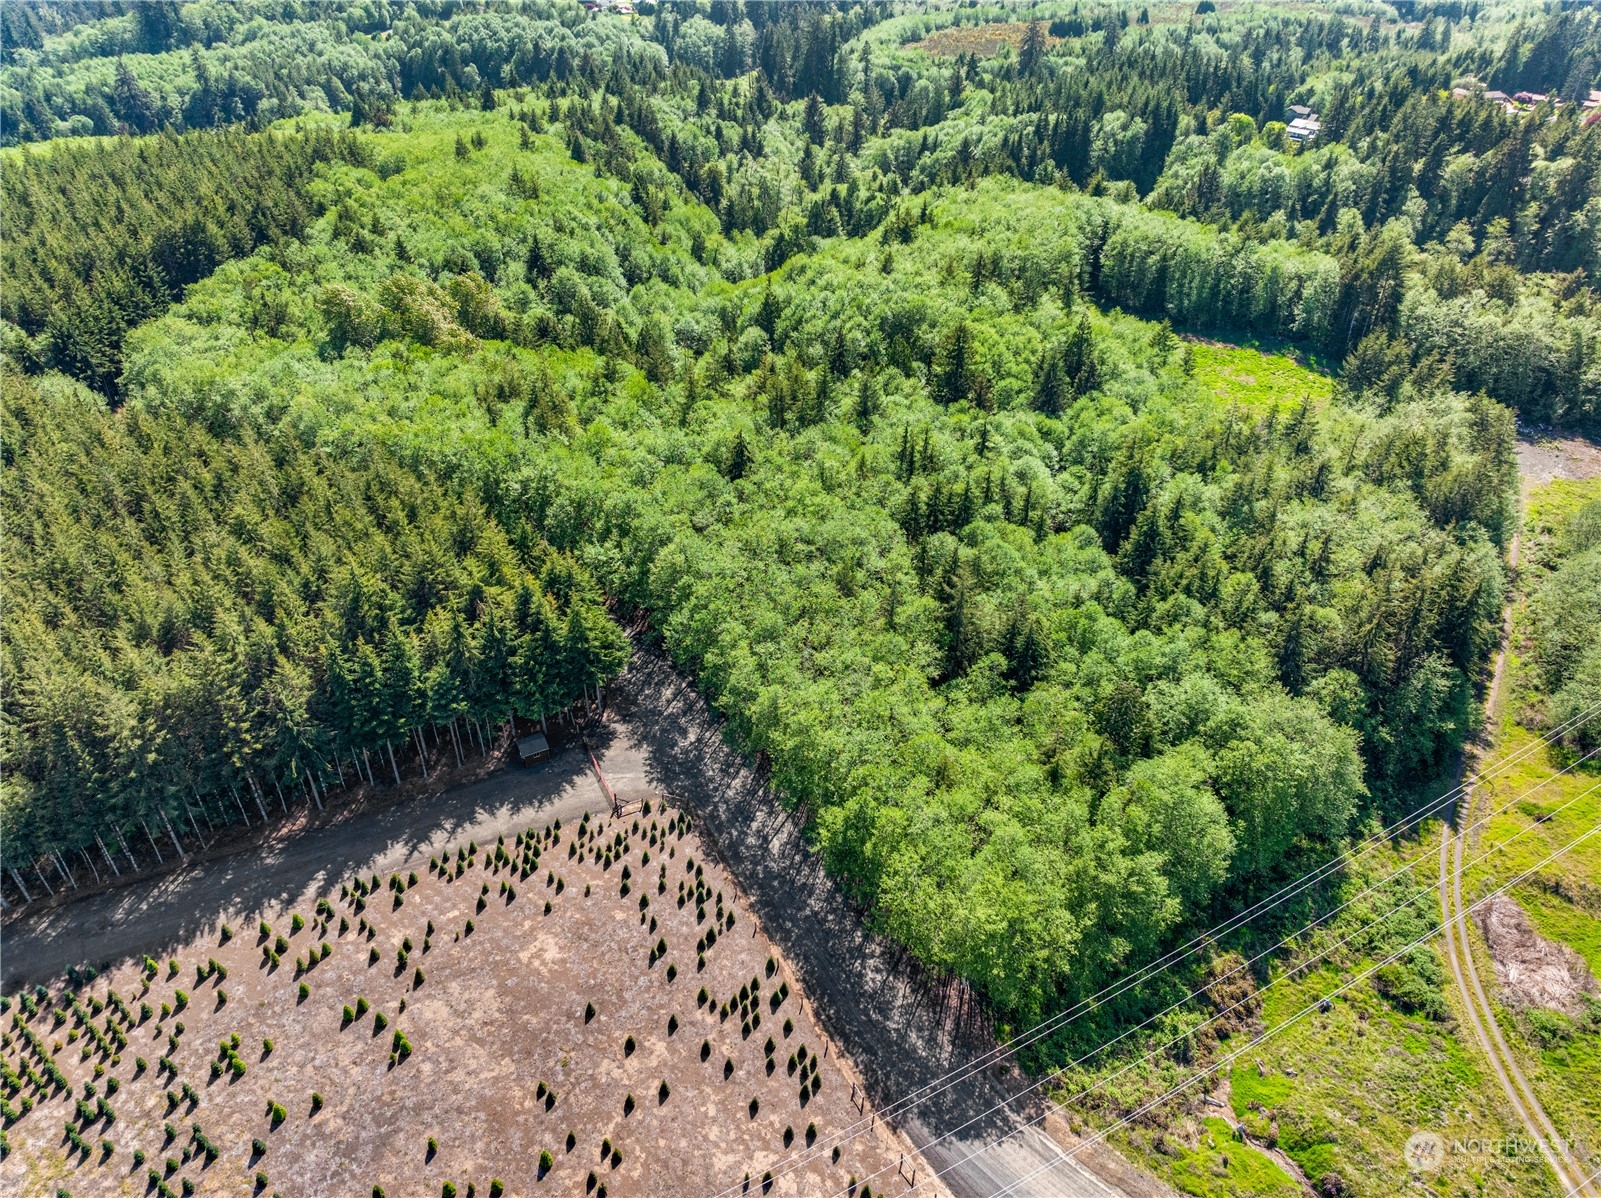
{"type": "Point", "coordinates": [522, 861]}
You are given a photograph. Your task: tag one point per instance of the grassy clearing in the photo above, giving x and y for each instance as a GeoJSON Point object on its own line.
{"type": "Point", "coordinates": [1221, 1165]}
{"type": "Point", "coordinates": [1338, 1091]}
{"type": "Point", "coordinates": [1256, 378]}
{"type": "Point", "coordinates": [1560, 1056]}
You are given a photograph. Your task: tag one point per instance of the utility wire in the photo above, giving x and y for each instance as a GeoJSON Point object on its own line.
{"type": "Point", "coordinates": [1169, 960]}
{"type": "Point", "coordinates": [1161, 1048]}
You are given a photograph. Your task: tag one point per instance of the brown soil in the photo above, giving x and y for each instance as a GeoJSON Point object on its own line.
{"type": "Point", "coordinates": [983, 40]}
{"type": "Point", "coordinates": [1533, 971]}
{"type": "Point", "coordinates": [1544, 457]}
{"type": "Point", "coordinates": [497, 1023]}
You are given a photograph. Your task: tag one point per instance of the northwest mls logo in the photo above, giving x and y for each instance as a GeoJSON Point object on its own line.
{"type": "Point", "coordinates": [1425, 1152]}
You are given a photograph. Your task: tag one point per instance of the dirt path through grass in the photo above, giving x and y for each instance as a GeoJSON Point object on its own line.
{"type": "Point", "coordinates": [1539, 461]}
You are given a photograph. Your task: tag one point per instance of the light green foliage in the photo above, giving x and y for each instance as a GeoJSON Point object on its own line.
{"type": "Point", "coordinates": [1046, 682]}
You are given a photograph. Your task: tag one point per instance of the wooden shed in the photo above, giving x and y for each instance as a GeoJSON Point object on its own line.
{"type": "Point", "coordinates": [533, 747]}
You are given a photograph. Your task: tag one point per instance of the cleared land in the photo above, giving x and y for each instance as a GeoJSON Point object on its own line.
{"type": "Point", "coordinates": [596, 993]}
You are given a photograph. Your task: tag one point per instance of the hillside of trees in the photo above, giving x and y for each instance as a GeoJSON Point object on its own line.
{"type": "Point", "coordinates": [195, 622]}
{"type": "Point", "coordinates": [884, 383]}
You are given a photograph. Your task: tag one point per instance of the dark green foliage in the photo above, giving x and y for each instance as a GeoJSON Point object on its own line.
{"type": "Point", "coordinates": [369, 660]}
{"type": "Point", "coordinates": [99, 239]}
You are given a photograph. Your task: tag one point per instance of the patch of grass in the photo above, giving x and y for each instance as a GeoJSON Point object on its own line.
{"type": "Point", "coordinates": [1247, 1087]}
{"type": "Point", "coordinates": [1255, 379]}
{"type": "Point", "coordinates": [1221, 1165]}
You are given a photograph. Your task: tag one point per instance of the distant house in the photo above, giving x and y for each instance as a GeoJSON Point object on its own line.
{"type": "Point", "coordinates": [1497, 97]}
{"type": "Point", "coordinates": [1593, 100]}
{"type": "Point", "coordinates": [1304, 129]}
{"type": "Point", "coordinates": [533, 747]}
{"type": "Point", "coordinates": [1300, 110]}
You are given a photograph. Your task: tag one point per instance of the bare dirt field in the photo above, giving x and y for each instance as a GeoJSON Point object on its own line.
{"type": "Point", "coordinates": [1544, 456]}
{"type": "Point", "coordinates": [982, 40]}
{"type": "Point", "coordinates": [617, 1008]}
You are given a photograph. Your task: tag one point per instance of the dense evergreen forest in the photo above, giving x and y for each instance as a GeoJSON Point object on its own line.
{"type": "Point", "coordinates": [883, 356]}
{"type": "Point", "coordinates": [202, 621]}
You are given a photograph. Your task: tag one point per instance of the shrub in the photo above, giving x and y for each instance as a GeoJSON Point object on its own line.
{"type": "Point", "coordinates": [546, 1162]}
{"type": "Point", "coordinates": [572, 1141]}
{"type": "Point", "coordinates": [346, 1018]}
{"type": "Point", "coordinates": [448, 1190]}
{"type": "Point", "coordinates": [589, 1011]}
{"type": "Point", "coordinates": [372, 956]}
{"type": "Point", "coordinates": [416, 979]}
{"type": "Point", "coordinates": [789, 1136]}
{"type": "Point", "coordinates": [362, 1006]}
{"type": "Point", "coordinates": [316, 1102]}
{"type": "Point", "coordinates": [789, 1028]}
{"type": "Point", "coordinates": [628, 1104]}
{"type": "Point", "coordinates": [728, 1068]}
{"type": "Point", "coordinates": [276, 1114]}
{"type": "Point", "coordinates": [266, 1047]}
{"type": "Point", "coordinates": [433, 1150]}
{"type": "Point", "coordinates": [663, 1092]}
{"type": "Point", "coordinates": [304, 992]}
{"type": "Point", "coordinates": [496, 1187]}
{"type": "Point", "coordinates": [672, 1024]}
{"type": "Point", "coordinates": [379, 1022]}
{"type": "Point", "coordinates": [755, 1106]}
{"type": "Point", "coordinates": [628, 1047]}
{"type": "Point", "coordinates": [258, 1146]}
{"type": "Point", "coordinates": [296, 922]}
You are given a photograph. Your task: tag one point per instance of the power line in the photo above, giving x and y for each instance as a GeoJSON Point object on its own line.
{"type": "Point", "coordinates": [1296, 1018]}
{"type": "Point", "coordinates": [1155, 968]}
{"type": "Point", "coordinates": [1596, 1176]}
{"type": "Point", "coordinates": [1158, 1050]}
